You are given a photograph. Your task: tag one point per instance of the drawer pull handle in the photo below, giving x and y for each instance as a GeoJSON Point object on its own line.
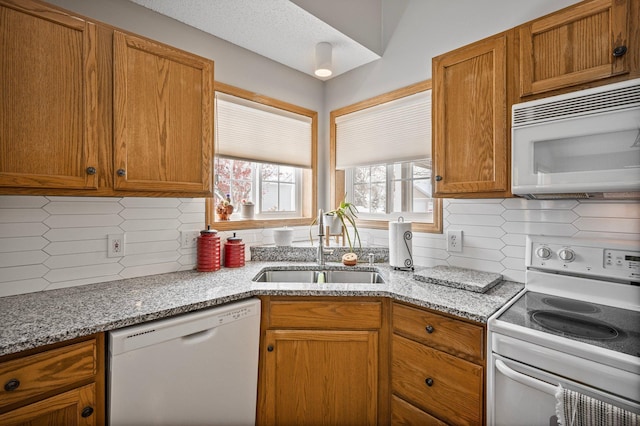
{"type": "Point", "coordinates": [430, 329]}
{"type": "Point", "coordinates": [619, 51]}
{"type": "Point", "coordinates": [270, 348]}
{"type": "Point", "coordinates": [86, 412]}
{"type": "Point", "coordinates": [12, 385]}
{"type": "Point", "coordinates": [429, 382]}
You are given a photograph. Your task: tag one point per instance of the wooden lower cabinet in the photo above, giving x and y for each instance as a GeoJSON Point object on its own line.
{"type": "Point", "coordinates": [326, 366]}
{"type": "Point", "coordinates": [437, 368]}
{"type": "Point", "coordinates": [71, 408]}
{"type": "Point", "coordinates": [62, 384]}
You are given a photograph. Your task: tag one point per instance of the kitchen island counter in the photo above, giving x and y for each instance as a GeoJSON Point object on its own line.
{"type": "Point", "coordinates": [36, 319]}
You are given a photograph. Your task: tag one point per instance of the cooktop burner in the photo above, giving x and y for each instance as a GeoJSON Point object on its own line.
{"type": "Point", "coordinates": [599, 325]}
{"type": "Point", "coordinates": [570, 305]}
{"type": "Point", "coordinates": [576, 325]}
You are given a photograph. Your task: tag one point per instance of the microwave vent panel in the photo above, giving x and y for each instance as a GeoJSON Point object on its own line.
{"type": "Point", "coordinates": [599, 100]}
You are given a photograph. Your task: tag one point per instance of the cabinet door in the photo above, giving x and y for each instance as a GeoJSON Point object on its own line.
{"type": "Point", "coordinates": [163, 113]}
{"type": "Point", "coordinates": [321, 377]}
{"type": "Point", "coordinates": [75, 407]}
{"type": "Point", "coordinates": [470, 120]}
{"type": "Point", "coordinates": [580, 44]}
{"type": "Point", "coordinates": [48, 105]}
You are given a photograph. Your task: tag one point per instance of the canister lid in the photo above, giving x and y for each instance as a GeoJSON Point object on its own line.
{"type": "Point", "coordinates": [234, 239]}
{"type": "Point", "coordinates": [208, 231]}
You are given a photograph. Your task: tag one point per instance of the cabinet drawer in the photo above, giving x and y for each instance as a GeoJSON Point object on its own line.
{"type": "Point", "coordinates": [455, 337]}
{"type": "Point", "coordinates": [325, 314]}
{"type": "Point", "coordinates": [403, 413]}
{"type": "Point", "coordinates": [47, 371]}
{"type": "Point", "coordinates": [453, 392]}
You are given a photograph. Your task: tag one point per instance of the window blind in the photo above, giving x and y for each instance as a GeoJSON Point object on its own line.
{"type": "Point", "coordinates": [395, 131]}
{"type": "Point", "coordinates": [251, 131]}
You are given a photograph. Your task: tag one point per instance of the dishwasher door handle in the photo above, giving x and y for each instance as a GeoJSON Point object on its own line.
{"type": "Point", "coordinates": [199, 336]}
{"type": "Point", "coordinates": [525, 380]}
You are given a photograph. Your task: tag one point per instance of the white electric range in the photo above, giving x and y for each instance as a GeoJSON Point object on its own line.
{"type": "Point", "coordinates": [576, 324]}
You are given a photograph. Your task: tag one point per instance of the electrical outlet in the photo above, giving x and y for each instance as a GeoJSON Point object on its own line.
{"type": "Point", "coordinates": [115, 245]}
{"type": "Point", "coordinates": [188, 239]}
{"type": "Point", "coordinates": [454, 240]}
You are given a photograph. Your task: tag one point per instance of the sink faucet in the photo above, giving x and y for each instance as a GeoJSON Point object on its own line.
{"type": "Point", "coordinates": [321, 250]}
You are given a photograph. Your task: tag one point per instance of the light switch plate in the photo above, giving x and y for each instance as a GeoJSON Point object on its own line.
{"type": "Point", "coordinates": [188, 239]}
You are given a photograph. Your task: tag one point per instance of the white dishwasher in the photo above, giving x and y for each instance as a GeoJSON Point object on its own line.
{"type": "Point", "coordinates": [195, 369]}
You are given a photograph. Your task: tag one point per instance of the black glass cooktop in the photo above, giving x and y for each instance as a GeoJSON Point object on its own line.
{"type": "Point", "coordinates": [600, 325]}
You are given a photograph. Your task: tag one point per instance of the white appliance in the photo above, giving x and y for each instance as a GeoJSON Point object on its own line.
{"type": "Point", "coordinates": [195, 369]}
{"type": "Point", "coordinates": [584, 144]}
{"type": "Point", "coordinates": [575, 324]}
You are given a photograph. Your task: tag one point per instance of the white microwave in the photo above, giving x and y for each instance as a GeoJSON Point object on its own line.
{"type": "Point", "coordinates": [584, 144]}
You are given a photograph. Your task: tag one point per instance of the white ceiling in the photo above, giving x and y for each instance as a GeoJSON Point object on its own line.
{"type": "Point", "coordinates": [285, 32]}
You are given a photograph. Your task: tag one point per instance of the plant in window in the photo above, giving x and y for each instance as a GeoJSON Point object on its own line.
{"type": "Point", "coordinates": [346, 214]}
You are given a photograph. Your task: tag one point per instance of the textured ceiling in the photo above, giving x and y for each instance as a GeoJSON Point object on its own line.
{"type": "Point", "coordinates": [277, 29]}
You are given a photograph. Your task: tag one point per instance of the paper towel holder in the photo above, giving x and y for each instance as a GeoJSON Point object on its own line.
{"type": "Point", "coordinates": [406, 238]}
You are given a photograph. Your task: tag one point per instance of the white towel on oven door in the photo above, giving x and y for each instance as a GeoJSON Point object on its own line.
{"type": "Point", "coordinates": [576, 409]}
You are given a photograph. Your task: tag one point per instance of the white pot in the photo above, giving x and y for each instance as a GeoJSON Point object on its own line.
{"type": "Point", "coordinates": [283, 237]}
{"type": "Point", "coordinates": [247, 211]}
{"type": "Point", "coordinates": [334, 224]}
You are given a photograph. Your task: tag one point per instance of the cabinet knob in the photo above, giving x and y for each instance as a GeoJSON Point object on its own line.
{"type": "Point", "coordinates": [619, 51]}
{"type": "Point", "coordinates": [438, 178]}
{"type": "Point", "coordinates": [12, 385]}
{"type": "Point", "coordinates": [121, 172]}
{"type": "Point", "coordinates": [86, 412]}
{"type": "Point", "coordinates": [270, 348]}
{"type": "Point", "coordinates": [91, 170]}
{"type": "Point", "coordinates": [429, 329]}
{"type": "Point", "coordinates": [429, 382]}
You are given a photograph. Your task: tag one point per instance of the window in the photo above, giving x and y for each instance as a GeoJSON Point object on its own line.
{"type": "Point", "coordinates": [392, 189]}
{"type": "Point", "coordinates": [275, 190]}
{"type": "Point", "coordinates": [264, 153]}
{"type": "Point", "coordinates": [381, 158]}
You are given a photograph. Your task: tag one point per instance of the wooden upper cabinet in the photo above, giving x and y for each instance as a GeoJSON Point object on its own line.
{"type": "Point", "coordinates": [580, 44]}
{"type": "Point", "coordinates": [163, 118]}
{"type": "Point", "coordinates": [48, 113]}
{"type": "Point", "coordinates": [470, 120]}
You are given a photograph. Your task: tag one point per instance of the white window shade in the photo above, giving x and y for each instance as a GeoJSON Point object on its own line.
{"type": "Point", "coordinates": [395, 131]}
{"type": "Point", "coordinates": [251, 131]}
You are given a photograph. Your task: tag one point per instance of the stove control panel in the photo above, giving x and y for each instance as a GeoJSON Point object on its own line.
{"type": "Point", "coordinates": [616, 259]}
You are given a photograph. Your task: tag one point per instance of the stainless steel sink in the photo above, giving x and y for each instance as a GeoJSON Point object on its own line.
{"type": "Point", "coordinates": [314, 276]}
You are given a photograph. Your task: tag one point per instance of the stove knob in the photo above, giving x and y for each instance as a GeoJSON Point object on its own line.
{"type": "Point", "coordinates": [567, 255]}
{"type": "Point", "coordinates": [543, 253]}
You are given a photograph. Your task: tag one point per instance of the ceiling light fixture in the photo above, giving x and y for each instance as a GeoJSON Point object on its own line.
{"type": "Point", "coordinates": [324, 66]}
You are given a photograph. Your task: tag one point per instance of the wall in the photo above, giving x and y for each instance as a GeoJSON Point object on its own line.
{"type": "Point", "coordinates": [53, 242]}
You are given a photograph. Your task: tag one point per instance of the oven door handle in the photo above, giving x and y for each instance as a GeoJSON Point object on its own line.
{"type": "Point", "coordinates": [525, 380]}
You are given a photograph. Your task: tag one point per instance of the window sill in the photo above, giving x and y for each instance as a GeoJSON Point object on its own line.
{"type": "Point", "coordinates": [228, 225]}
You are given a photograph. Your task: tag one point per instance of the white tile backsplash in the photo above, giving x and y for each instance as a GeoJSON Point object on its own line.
{"type": "Point", "coordinates": [54, 242]}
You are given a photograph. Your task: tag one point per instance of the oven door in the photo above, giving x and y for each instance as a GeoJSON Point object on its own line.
{"type": "Point", "coordinates": [523, 395]}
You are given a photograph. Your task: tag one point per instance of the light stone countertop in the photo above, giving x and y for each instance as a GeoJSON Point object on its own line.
{"type": "Point", "coordinates": [36, 319]}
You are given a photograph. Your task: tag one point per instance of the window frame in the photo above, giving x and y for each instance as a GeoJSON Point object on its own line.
{"type": "Point", "coordinates": [337, 177]}
{"type": "Point", "coordinates": [309, 184]}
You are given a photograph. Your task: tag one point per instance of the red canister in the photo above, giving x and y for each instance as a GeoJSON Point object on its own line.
{"type": "Point", "coordinates": [234, 252]}
{"type": "Point", "coordinates": [208, 250]}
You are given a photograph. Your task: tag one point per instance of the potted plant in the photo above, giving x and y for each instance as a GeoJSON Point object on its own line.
{"type": "Point", "coordinates": [345, 214]}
